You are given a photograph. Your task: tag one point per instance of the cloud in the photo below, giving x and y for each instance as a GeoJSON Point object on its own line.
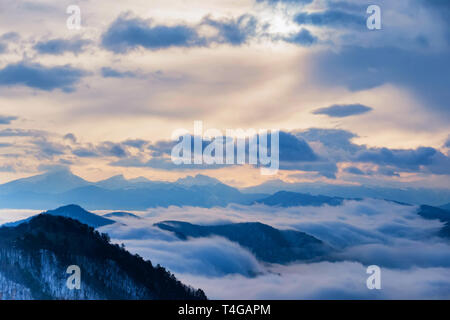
{"type": "Point", "coordinates": [71, 137]}
{"type": "Point", "coordinates": [136, 143]}
{"type": "Point", "coordinates": [294, 2]}
{"type": "Point", "coordinates": [127, 33]}
{"type": "Point", "coordinates": [85, 153]}
{"type": "Point", "coordinates": [294, 149]}
{"type": "Point", "coordinates": [401, 255]}
{"type": "Point", "coordinates": [233, 31]}
{"type": "Point", "coordinates": [37, 76]}
{"type": "Point", "coordinates": [409, 159]}
{"type": "Point", "coordinates": [331, 18]}
{"type": "Point", "coordinates": [331, 138]}
{"type": "Point", "coordinates": [103, 149]}
{"type": "Point", "coordinates": [326, 280]}
{"type": "Point", "coordinates": [303, 38]}
{"type": "Point", "coordinates": [294, 154]}
{"type": "Point", "coordinates": [5, 38]}
{"type": "Point", "coordinates": [212, 256]}
{"type": "Point", "coordinates": [61, 46]}
{"type": "Point", "coordinates": [355, 170]}
{"type": "Point", "coordinates": [361, 68]}
{"type": "Point", "coordinates": [343, 110]}
{"type": "Point", "coordinates": [48, 149]}
{"type": "Point", "coordinates": [108, 72]}
{"type": "Point", "coordinates": [7, 119]}
{"type": "Point", "coordinates": [414, 262]}
{"type": "Point", "coordinates": [338, 147]}
{"type": "Point", "coordinates": [10, 36]}
{"type": "Point", "coordinates": [326, 169]}
{"type": "Point", "coordinates": [9, 132]}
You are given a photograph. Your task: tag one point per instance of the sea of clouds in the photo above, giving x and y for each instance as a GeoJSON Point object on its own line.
{"type": "Point", "coordinates": [415, 263]}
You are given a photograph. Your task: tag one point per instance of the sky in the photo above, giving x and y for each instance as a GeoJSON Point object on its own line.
{"type": "Point", "coordinates": [354, 106]}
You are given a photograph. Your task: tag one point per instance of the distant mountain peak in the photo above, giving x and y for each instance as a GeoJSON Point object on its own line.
{"type": "Point", "coordinates": [139, 180]}
{"type": "Point", "coordinates": [53, 181]}
{"type": "Point", "coordinates": [78, 213]}
{"type": "Point", "coordinates": [199, 180]}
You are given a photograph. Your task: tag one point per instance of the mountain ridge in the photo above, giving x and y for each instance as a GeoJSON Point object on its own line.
{"type": "Point", "coordinates": [34, 257]}
{"type": "Point", "coordinates": [266, 242]}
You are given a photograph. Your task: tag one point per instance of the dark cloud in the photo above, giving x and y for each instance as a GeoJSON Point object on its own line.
{"type": "Point", "coordinates": [381, 170]}
{"type": "Point", "coordinates": [401, 158]}
{"type": "Point", "coordinates": [162, 163]}
{"type": "Point", "coordinates": [233, 31]}
{"type": "Point", "coordinates": [331, 138]}
{"type": "Point", "coordinates": [294, 2]}
{"type": "Point", "coordinates": [294, 154]}
{"type": "Point", "coordinates": [20, 133]}
{"type": "Point", "coordinates": [61, 46]}
{"type": "Point", "coordinates": [103, 149]}
{"type": "Point", "coordinates": [112, 149]}
{"type": "Point", "coordinates": [136, 143]}
{"type": "Point", "coordinates": [108, 72]}
{"type": "Point", "coordinates": [5, 145]}
{"type": "Point", "coordinates": [325, 168]}
{"type": "Point", "coordinates": [387, 171]}
{"type": "Point", "coordinates": [71, 137]}
{"type": "Point", "coordinates": [7, 119]}
{"type": "Point", "coordinates": [293, 148]}
{"type": "Point", "coordinates": [161, 148]}
{"type": "Point", "coordinates": [127, 33]}
{"type": "Point", "coordinates": [85, 153]}
{"type": "Point", "coordinates": [331, 18]}
{"type": "Point", "coordinates": [303, 38]}
{"type": "Point", "coordinates": [10, 36]}
{"type": "Point", "coordinates": [48, 149]}
{"type": "Point", "coordinates": [343, 110]}
{"type": "Point", "coordinates": [37, 76]}
{"type": "Point", "coordinates": [340, 148]}
{"type": "Point", "coordinates": [355, 170]}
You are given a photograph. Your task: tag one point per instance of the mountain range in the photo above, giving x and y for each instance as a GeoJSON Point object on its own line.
{"type": "Point", "coordinates": [61, 187]}
{"type": "Point", "coordinates": [34, 257]}
{"type": "Point", "coordinates": [417, 196]}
